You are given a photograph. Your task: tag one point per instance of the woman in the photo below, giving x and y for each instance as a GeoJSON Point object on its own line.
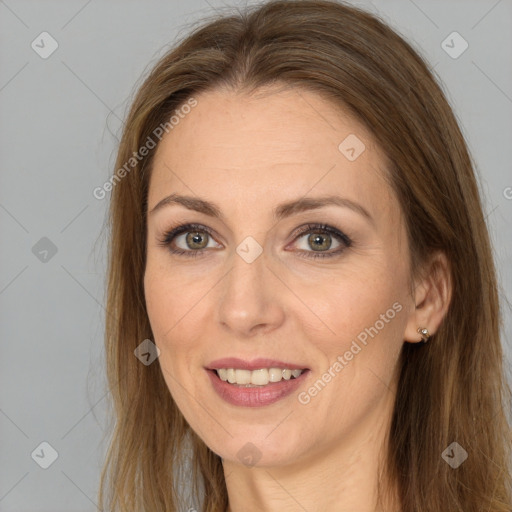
{"type": "Point", "coordinates": [300, 262]}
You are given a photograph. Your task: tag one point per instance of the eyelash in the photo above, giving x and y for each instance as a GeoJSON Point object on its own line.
{"type": "Point", "coordinates": [169, 236]}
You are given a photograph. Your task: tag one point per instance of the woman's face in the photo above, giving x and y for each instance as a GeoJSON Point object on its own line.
{"type": "Point", "coordinates": [246, 283]}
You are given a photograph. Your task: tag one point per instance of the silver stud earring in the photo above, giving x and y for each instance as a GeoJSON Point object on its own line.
{"type": "Point", "coordinates": [425, 335]}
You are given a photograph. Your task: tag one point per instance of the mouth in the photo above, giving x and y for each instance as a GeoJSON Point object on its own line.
{"type": "Point", "coordinates": [256, 378]}
{"type": "Point", "coordinates": [256, 388]}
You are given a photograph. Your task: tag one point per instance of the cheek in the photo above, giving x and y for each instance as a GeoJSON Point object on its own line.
{"type": "Point", "coordinates": [365, 319]}
{"type": "Point", "coordinates": [172, 299]}
{"type": "Point", "coordinates": [180, 311]}
{"type": "Point", "coordinates": [170, 312]}
{"type": "Point", "coordinates": [176, 333]}
{"type": "Point", "coordinates": [355, 301]}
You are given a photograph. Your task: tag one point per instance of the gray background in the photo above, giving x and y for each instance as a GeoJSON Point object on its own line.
{"type": "Point", "coordinates": [59, 125]}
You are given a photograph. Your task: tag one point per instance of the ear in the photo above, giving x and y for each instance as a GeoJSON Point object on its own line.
{"type": "Point", "coordinates": [432, 295]}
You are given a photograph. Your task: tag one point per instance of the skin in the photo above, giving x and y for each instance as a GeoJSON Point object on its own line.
{"type": "Point", "coordinates": [248, 154]}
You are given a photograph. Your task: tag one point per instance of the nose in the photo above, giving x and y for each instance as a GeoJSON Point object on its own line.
{"type": "Point", "coordinates": [250, 301]}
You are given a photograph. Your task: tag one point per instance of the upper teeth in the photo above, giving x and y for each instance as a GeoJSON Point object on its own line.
{"type": "Point", "coordinates": [256, 377]}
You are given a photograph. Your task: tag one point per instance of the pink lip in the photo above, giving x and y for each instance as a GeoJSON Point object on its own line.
{"type": "Point", "coordinates": [255, 364]}
{"type": "Point", "coordinates": [257, 396]}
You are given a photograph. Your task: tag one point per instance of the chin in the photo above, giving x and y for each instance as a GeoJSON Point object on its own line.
{"type": "Point", "coordinates": [259, 449]}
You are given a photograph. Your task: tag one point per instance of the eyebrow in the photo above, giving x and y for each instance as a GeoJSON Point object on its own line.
{"type": "Point", "coordinates": [279, 212]}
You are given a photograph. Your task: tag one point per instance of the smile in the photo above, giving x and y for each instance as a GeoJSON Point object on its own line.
{"type": "Point", "coordinates": [260, 377]}
{"type": "Point", "coordinates": [244, 391]}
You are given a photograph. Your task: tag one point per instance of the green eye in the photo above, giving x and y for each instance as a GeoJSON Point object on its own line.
{"type": "Point", "coordinates": [319, 241]}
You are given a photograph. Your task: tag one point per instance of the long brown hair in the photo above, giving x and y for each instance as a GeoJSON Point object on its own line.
{"type": "Point", "coordinates": [452, 390]}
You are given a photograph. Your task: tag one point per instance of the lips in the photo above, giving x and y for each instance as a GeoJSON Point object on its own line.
{"type": "Point", "coordinates": [257, 396]}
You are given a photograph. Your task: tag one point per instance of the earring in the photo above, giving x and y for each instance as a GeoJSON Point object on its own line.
{"type": "Point", "coordinates": [425, 335]}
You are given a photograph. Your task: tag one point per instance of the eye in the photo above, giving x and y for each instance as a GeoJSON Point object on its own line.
{"type": "Point", "coordinates": [190, 239]}
{"type": "Point", "coordinates": [320, 240]}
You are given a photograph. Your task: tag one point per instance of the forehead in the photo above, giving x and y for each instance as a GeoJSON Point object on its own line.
{"type": "Point", "coordinates": [272, 145]}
